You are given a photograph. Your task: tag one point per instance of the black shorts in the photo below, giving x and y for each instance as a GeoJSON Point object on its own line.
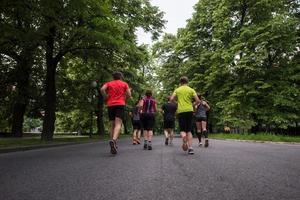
{"type": "Point", "coordinates": [148, 121]}
{"type": "Point", "coordinates": [116, 111]}
{"type": "Point", "coordinates": [136, 124]}
{"type": "Point", "coordinates": [185, 121]}
{"type": "Point", "coordinates": [169, 124]}
{"type": "Point", "coordinates": [200, 119]}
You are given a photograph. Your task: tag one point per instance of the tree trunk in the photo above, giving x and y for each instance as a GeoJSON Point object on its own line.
{"type": "Point", "coordinates": [99, 113]}
{"type": "Point", "coordinates": [50, 88]}
{"type": "Point", "coordinates": [18, 119]}
{"type": "Point", "coordinates": [19, 108]}
{"type": "Point", "coordinates": [50, 93]}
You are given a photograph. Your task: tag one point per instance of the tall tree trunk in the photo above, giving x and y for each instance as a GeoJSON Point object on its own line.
{"type": "Point", "coordinates": [49, 118]}
{"type": "Point", "coordinates": [24, 69]}
{"type": "Point", "coordinates": [100, 121]}
{"type": "Point", "coordinates": [50, 88]}
{"type": "Point", "coordinates": [18, 119]}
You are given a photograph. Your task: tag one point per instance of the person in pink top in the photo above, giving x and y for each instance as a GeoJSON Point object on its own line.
{"type": "Point", "coordinates": [115, 92]}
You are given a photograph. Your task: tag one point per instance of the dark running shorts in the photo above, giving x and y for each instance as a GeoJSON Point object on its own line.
{"type": "Point", "coordinates": [136, 124]}
{"type": "Point", "coordinates": [169, 124]}
{"type": "Point", "coordinates": [185, 121]}
{"type": "Point", "coordinates": [115, 111]}
{"type": "Point", "coordinates": [200, 119]}
{"type": "Point", "coordinates": [148, 121]}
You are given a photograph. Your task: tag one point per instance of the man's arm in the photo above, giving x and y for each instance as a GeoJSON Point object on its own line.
{"type": "Point", "coordinates": [195, 106]}
{"type": "Point", "coordinates": [197, 100]}
{"type": "Point", "coordinates": [103, 90]}
{"type": "Point", "coordinates": [128, 93]}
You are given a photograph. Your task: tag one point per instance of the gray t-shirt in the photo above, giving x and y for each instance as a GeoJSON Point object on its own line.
{"type": "Point", "coordinates": [201, 111]}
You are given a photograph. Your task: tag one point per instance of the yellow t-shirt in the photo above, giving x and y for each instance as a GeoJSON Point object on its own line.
{"type": "Point", "coordinates": [185, 96]}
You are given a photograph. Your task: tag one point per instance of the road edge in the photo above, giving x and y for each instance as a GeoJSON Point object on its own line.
{"type": "Point", "coordinates": [27, 148]}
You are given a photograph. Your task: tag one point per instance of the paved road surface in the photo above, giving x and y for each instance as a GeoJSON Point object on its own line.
{"type": "Point", "coordinates": [226, 170]}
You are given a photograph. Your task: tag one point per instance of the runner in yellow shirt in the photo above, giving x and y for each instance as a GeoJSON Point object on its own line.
{"type": "Point", "coordinates": [185, 96]}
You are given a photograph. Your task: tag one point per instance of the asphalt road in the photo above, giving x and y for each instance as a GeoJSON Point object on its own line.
{"type": "Point", "coordinates": [226, 170]}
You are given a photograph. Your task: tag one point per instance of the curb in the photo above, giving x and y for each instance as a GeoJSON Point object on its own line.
{"type": "Point", "coordinates": [257, 141]}
{"type": "Point", "coordinates": [26, 148]}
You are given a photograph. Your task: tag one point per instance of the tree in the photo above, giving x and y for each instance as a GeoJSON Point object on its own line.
{"type": "Point", "coordinates": [19, 43]}
{"type": "Point", "coordinates": [241, 55]}
{"type": "Point", "coordinates": [77, 27]}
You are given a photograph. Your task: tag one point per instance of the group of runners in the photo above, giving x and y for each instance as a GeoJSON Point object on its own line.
{"type": "Point", "coordinates": [184, 102]}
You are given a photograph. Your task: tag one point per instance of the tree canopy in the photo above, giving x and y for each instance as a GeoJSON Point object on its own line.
{"type": "Point", "coordinates": [243, 56]}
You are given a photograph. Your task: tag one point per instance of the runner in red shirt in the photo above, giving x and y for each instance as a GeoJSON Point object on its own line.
{"type": "Point", "coordinates": [115, 92]}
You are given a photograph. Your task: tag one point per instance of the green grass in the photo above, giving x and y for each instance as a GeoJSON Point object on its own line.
{"type": "Point", "coordinates": [36, 141]}
{"type": "Point", "coordinates": [58, 139]}
{"type": "Point", "coordinates": [257, 137]}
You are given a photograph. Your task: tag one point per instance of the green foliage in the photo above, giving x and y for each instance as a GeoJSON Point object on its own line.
{"type": "Point", "coordinates": [83, 40]}
{"type": "Point", "coordinates": [31, 123]}
{"type": "Point", "coordinates": [244, 56]}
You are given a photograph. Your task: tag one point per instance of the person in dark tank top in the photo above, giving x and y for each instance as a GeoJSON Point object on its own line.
{"type": "Point", "coordinates": [169, 110]}
{"type": "Point", "coordinates": [136, 123]}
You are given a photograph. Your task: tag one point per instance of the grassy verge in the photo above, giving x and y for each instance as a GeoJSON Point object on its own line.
{"type": "Point", "coordinates": [257, 137]}
{"type": "Point", "coordinates": [36, 141]}
{"type": "Point", "coordinates": [58, 139]}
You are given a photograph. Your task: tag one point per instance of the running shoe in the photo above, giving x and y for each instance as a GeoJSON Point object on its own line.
{"type": "Point", "coordinates": [206, 143]}
{"type": "Point", "coordinates": [149, 147]}
{"type": "Point", "coordinates": [191, 151]}
{"type": "Point", "coordinates": [113, 147]}
{"type": "Point", "coordinates": [200, 144]}
{"type": "Point", "coordinates": [167, 141]}
{"type": "Point", "coordinates": [184, 145]}
{"type": "Point", "coordinates": [145, 146]}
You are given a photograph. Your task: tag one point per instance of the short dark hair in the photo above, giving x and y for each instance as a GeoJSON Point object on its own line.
{"type": "Point", "coordinates": [184, 80]}
{"type": "Point", "coordinates": [148, 93]}
{"type": "Point", "coordinates": [117, 75]}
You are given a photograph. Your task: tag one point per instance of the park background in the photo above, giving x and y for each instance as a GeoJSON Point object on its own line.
{"type": "Point", "coordinates": [243, 56]}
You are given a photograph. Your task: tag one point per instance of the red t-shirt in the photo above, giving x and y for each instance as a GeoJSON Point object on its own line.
{"type": "Point", "coordinates": [116, 93]}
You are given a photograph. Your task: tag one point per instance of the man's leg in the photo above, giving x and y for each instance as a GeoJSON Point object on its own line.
{"type": "Point", "coordinates": [166, 136]}
{"type": "Point", "coordinates": [184, 141]}
{"type": "Point", "coordinates": [171, 136]}
{"type": "Point", "coordinates": [190, 143]}
{"type": "Point", "coordinates": [112, 127]}
{"type": "Point", "coordinates": [190, 139]}
{"type": "Point", "coordinates": [117, 128]}
{"type": "Point", "coordinates": [112, 142]}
